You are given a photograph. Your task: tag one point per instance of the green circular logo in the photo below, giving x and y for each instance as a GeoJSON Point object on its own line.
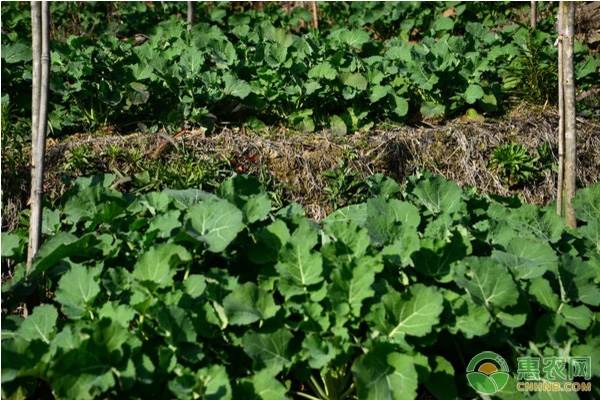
{"type": "Point", "coordinates": [487, 372]}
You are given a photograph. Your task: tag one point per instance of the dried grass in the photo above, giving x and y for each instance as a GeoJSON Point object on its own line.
{"type": "Point", "coordinates": [457, 150]}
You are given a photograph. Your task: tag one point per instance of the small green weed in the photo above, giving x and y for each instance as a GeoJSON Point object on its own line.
{"type": "Point", "coordinates": [514, 165]}
{"type": "Point", "coordinates": [345, 187]}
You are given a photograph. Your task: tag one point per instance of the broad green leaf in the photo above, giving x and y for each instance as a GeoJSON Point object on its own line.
{"type": "Point", "coordinates": [386, 219]}
{"type": "Point", "coordinates": [87, 370]}
{"type": "Point", "coordinates": [399, 106]}
{"type": "Point", "coordinates": [430, 109]}
{"type": "Point", "coordinates": [76, 291]}
{"type": "Point", "coordinates": [155, 264]}
{"type": "Point", "coordinates": [280, 36]}
{"type": "Point", "coordinates": [305, 125]}
{"type": "Point", "coordinates": [248, 195]}
{"type": "Point", "coordinates": [473, 93]}
{"type": "Point", "coordinates": [320, 352]}
{"type": "Point", "coordinates": [248, 304]}
{"type": "Point", "coordinates": [348, 242]}
{"type": "Point", "coordinates": [355, 38]}
{"type": "Point", "coordinates": [378, 92]}
{"type": "Point", "coordinates": [322, 71]}
{"type": "Point", "coordinates": [382, 374]}
{"type": "Point", "coordinates": [351, 283]}
{"type": "Point", "coordinates": [439, 195]}
{"type": "Point", "coordinates": [176, 325]}
{"type": "Point", "coordinates": [587, 203]}
{"type": "Point", "coordinates": [487, 282]}
{"type": "Point", "coordinates": [434, 257]}
{"type": "Point", "coordinates": [355, 213]}
{"type": "Point", "coordinates": [40, 325]}
{"type": "Point", "coordinates": [337, 125]}
{"type": "Point", "coordinates": [399, 252]}
{"type": "Point", "coordinates": [265, 387]}
{"type": "Point", "coordinates": [580, 316]}
{"type": "Point", "coordinates": [275, 55]}
{"type": "Point", "coordinates": [195, 285]}
{"type": "Point", "coordinates": [515, 316]}
{"type": "Point", "coordinates": [540, 290]}
{"type": "Point", "coordinates": [214, 221]}
{"type": "Point", "coordinates": [16, 52]}
{"type": "Point", "coordinates": [10, 243]}
{"type": "Point", "coordinates": [472, 320]}
{"type": "Point", "coordinates": [577, 278]}
{"type": "Point", "coordinates": [50, 222]}
{"type": "Point", "coordinates": [381, 185]}
{"type": "Point", "coordinates": [542, 224]}
{"type": "Point", "coordinates": [224, 54]}
{"type": "Point", "coordinates": [442, 23]}
{"type": "Point", "coordinates": [414, 312]}
{"type": "Point", "coordinates": [527, 258]}
{"type": "Point", "coordinates": [354, 80]}
{"type": "Point", "coordinates": [298, 264]}
{"type": "Point", "coordinates": [269, 241]}
{"type": "Point", "coordinates": [236, 87]}
{"type": "Point", "coordinates": [272, 349]}
{"type": "Point", "coordinates": [186, 198]}
{"type": "Point", "coordinates": [96, 203]}
{"type": "Point", "coordinates": [441, 383]}
{"type": "Point", "coordinates": [122, 314]}
{"type": "Point", "coordinates": [192, 61]}
{"type": "Point", "coordinates": [141, 71]}
{"type": "Point", "coordinates": [138, 93]}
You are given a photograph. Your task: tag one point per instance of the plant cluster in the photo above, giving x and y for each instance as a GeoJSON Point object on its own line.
{"type": "Point", "coordinates": [184, 294]}
{"type": "Point", "coordinates": [253, 67]}
{"type": "Point", "coordinates": [515, 166]}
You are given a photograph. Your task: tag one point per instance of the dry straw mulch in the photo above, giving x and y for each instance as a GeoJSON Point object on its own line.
{"type": "Point", "coordinates": [460, 151]}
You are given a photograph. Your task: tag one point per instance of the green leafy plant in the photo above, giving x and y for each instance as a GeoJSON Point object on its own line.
{"type": "Point", "coordinates": [514, 165]}
{"type": "Point", "coordinates": [183, 293]}
{"type": "Point", "coordinates": [345, 187]}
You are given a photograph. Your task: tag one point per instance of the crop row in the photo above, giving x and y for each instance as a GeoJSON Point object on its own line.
{"type": "Point", "coordinates": [251, 70]}
{"type": "Point", "coordinates": [186, 294]}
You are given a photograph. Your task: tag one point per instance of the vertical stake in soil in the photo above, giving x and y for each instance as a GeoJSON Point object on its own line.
{"type": "Point", "coordinates": [561, 122]}
{"type": "Point", "coordinates": [534, 13]}
{"type": "Point", "coordinates": [315, 15]}
{"type": "Point", "coordinates": [40, 43]}
{"type": "Point", "coordinates": [567, 19]}
{"type": "Point", "coordinates": [190, 15]}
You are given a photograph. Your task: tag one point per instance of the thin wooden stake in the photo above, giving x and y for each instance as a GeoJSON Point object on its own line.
{"type": "Point", "coordinates": [570, 105]}
{"type": "Point", "coordinates": [561, 122]}
{"type": "Point", "coordinates": [534, 14]}
{"type": "Point", "coordinates": [190, 15]}
{"type": "Point", "coordinates": [315, 15]}
{"type": "Point", "coordinates": [35, 227]}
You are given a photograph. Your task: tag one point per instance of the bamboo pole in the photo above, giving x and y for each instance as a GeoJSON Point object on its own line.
{"type": "Point", "coordinates": [561, 122]}
{"type": "Point", "coordinates": [315, 15]}
{"type": "Point", "coordinates": [569, 104]}
{"type": "Point", "coordinates": [534, 14]}
{"type": "Point", "coordinates": [35, 227]}
{"type": "Point", "coordinates": [190, 15]}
